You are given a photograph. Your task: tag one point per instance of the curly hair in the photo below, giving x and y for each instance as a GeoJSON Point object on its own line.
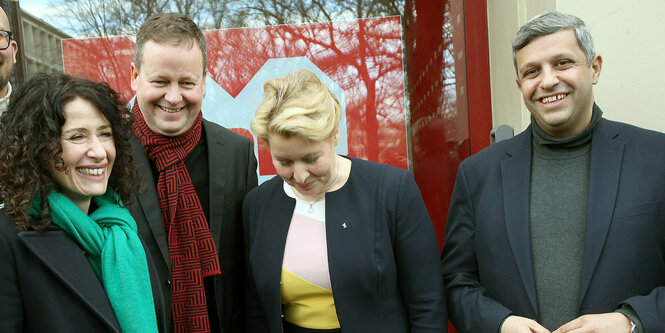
{"type": "Point", "coordinates": [30, 131]}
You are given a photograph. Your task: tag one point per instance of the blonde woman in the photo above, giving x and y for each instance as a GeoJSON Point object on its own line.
{"type": "Point", "coordinates": [334, 243]}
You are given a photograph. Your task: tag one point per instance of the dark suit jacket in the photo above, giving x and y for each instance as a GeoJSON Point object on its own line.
{"type": "Point", "coordinates": [487, 263]}
{"type": "Point", "coordinates": [383, 265]}
{"type": "Point", "coordinates": [48, 285]}
{"type": "Point", "coordinates": [232, 169]}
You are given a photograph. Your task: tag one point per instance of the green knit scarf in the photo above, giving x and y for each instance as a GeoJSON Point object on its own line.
{"type": "Point", "coordinates": [109, 237]}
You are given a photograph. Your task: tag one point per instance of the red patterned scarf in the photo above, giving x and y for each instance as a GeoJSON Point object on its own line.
{"type": "Point", "coordinates": [191, 246]}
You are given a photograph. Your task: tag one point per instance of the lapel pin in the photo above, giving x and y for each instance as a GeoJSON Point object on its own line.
{"type": "Point", "coordinates": [344, 225]}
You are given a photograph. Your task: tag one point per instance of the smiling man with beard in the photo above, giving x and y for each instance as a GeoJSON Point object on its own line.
{"type": "Point", "coordinates": [8, 49]}
{"type": "Point", "coordinates": [562, 227]}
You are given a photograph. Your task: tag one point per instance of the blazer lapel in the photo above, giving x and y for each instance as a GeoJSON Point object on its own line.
{"type": "Point", "coordinates": [271, 231]}
{"type": "Point", "coordinates": [218, 171]}
{"type": "Point", "coordinates": [66, 260]}
{"type": "Point", "coordinates": [516, 180]}
{"type": "Point", "coordinates": [149, 202]}
{"type": "Point", "coordinates": [604, 172]}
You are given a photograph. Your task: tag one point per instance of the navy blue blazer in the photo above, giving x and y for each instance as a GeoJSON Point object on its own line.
{"type": "Point", "coordinates": [383, 265]}
{"type": "Point", "coordinates": [48, 285]}
{"type": "Point", "coordinates": [487, 264]}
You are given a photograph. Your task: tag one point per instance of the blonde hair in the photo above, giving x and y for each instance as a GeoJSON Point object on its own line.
{"type": "Point", "coordinates": [297, 104]}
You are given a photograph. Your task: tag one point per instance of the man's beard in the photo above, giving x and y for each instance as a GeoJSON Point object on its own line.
{"type": "Point", "coordinates": [5, 73]}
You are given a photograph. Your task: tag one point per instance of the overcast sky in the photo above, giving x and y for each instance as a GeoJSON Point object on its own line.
{"type": "Point", "coordinates": [41, 9]}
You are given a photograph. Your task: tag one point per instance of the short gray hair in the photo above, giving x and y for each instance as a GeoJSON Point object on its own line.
{"type": "Point", "coordinates": [550, 22]}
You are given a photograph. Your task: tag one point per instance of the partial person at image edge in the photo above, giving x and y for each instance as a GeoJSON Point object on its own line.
{"type": "Point", "coordinates": [7, 60]}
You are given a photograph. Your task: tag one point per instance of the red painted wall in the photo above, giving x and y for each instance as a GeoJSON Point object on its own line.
{"type": "Point", "coordinates": [447, 79]}
{"type": "Point", "coordinates": [363, 57]}
{"type": "Point", "coordinates": [447, 63]}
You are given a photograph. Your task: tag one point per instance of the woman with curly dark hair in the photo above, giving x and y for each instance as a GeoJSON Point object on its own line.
{"type": "Point", "coordinates": [70, 256]}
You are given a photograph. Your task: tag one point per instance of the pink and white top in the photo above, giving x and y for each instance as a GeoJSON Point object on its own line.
{"type": "Point", "coordinates": [306, 290]}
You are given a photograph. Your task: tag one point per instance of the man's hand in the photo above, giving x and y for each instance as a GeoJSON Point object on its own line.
{"type": "Point", "coordinates": [613, 322]}
{"type": "Point", "coordinates": [516, 324]}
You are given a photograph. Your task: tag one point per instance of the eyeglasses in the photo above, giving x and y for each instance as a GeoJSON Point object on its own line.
{"type": "Point", "coordinates": [5, 39]}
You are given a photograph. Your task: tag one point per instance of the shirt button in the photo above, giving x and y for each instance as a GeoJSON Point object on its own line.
{"type": "Point", "coordinates": [168, 284]}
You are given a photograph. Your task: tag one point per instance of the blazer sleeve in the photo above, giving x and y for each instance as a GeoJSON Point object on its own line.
{"type": "Point", "coordinates": [417, 260]}
{"type": "Point", "coordinates": [650, 309]}
{"type": "Point", "coordinates": [11, 304]}
{"type": "Point", "coordinates": [471, 309]}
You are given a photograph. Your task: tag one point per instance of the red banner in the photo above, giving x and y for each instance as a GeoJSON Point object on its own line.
{"type": "Point", "coordinates": [360, 60]}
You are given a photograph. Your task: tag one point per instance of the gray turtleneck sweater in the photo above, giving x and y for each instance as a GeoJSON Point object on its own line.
{"type": "Point", "coordinates": [557, 209]}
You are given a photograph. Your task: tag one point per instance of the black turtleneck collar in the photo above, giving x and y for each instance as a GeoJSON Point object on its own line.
{"type": "Point", "coordinates": [583, 138]}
